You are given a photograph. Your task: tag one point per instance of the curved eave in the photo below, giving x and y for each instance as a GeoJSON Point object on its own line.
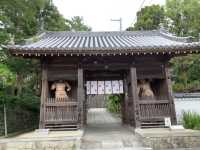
{"type": "Point", "coordinates": [142, 50]}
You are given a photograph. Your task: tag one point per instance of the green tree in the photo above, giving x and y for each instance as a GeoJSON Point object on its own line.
{"type": "Point", "coordinates": [53, 20]}
{"type": "Point", "coordinates": [19, 20]}
{"type": "Point", "coordinates": [149, 18]}
{"type": "Point", "coordinates": [182, 17]}
{"type": "Point", "coordinates": [77, 24]}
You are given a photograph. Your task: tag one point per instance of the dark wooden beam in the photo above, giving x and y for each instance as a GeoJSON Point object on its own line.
{"type": "Point", "coordinates": [44, 93]}
{"type": "Point", "coordinates": [125, 112]}
{"type": "Point", "coordinates": [104, 75]}
{"type": "Point", "coordinates": [81, 96]}
{"type": "Point", "coordinates": [170, 93]}
{"type": "Point", "coordinates": [135, 113]}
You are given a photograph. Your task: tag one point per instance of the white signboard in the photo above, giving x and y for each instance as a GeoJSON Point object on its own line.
{"type": "Point", "coordinates": [115, 87]}
{"type": "Point", "coordinates": [101, 87]}
{"type": "Point", "coordinates": [88, 87]}
{"type": "Point", "coordinates": [167, 122]}
{"type": "Point", "coordinates": [121, 87]}
{"type": "Point", "coordinates": [93, 87]}
{"type": "Point", "coordinates": [108, 87]}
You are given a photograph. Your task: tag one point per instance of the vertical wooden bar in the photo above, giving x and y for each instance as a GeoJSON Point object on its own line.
{"type": "Point", "coordinates": [80, 96]}
{"type": "Point", "coordinates": [125, 117]}
{"type": "Point", "coordinates": [44, 93]}
{"type": "Point", "coordinates": [133, 77]}
{"type": "Point", "coordinates": [170, 93]}
{"type": "Point", "coordinates": [85, 107]}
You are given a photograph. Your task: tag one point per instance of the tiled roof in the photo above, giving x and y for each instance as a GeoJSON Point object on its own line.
{"type": "Point", "coordinates": [107, 42]}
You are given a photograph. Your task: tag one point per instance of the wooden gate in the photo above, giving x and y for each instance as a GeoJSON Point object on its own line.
{"type": "Point", "coordinates": [61, 113]}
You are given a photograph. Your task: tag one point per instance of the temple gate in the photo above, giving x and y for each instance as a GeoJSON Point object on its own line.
{"type": "Point", "coordinates": [140, 60]}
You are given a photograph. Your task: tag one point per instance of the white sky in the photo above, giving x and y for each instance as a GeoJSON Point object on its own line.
{"type": "Point", "coordinates": [98, 13]}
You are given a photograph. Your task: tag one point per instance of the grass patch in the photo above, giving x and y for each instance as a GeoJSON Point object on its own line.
{"type": "Point", "coordinates": [191, 120]}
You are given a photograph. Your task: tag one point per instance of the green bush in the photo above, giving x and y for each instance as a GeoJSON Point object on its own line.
{"type": "Point", "coordinates": [22, 112]}
{"type": "Point", "coordinates": [191, 120]}
{"type": "Point", "coordinates": [114, 103]}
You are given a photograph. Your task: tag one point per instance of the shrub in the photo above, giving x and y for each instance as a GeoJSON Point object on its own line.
{"type": "Point", "coordinates": [114, 103]}
{"type": "Point", "coordinates": [22, 112]}
{"type": "Point", "coordinates": [191, 120]}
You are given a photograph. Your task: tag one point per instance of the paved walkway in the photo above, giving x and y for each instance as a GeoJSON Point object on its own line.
{"type": "Point", "coordinates": [105, 131]}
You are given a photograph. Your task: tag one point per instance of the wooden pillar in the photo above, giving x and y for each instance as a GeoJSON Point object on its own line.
{"type": "Point", "coordinates": [85, 109]}
{"type": "Point", "coordinates": [81, 96]}
{"type": "Point", "coordinates": [44, 93]}
{"type": "Point", "coordinates": [125, 117]}
{"type": "Point", "coordinates": [170, 93]}
{"type": "Point", "coordinates": [135, 112]}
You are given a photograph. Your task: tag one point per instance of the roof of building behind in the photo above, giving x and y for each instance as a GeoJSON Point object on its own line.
{"type": "Point", "coordinates": [155, 41]}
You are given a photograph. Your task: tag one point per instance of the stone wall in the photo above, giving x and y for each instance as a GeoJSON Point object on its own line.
{"type": "Point", "coordinates": [160, 143]}
{"type": "Point", "coordinates": [40, 145]}
{"type": "Point", "coordinates": [162, 139]}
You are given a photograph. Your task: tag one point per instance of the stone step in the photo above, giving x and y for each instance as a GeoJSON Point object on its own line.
{"type": "Point", "coordinates": [155, 126]}
{"type": "Point", "coordinates": [130, 148]}
{"type": "Point", "coordinates": [62, 127]}
{"type": "Point", "coordinates": [152, 123]}
{"type": "Point", "coordinates": [126, 145]}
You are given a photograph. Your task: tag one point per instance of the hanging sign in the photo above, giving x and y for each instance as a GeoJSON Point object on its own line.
{"type": "Point", "coordinates": [88, 87]}
{"type": "Point", "coordinates": [108, 87]}
{"type": "Point", "coordinates": [115, 87]}
{"type": "Point", "coordinates": [121, 87]}
{"type": "Point", "coordinates": [101, 87]}
{"type": "Point", "coordinates": [105, 87]}
{"type": "Point", "coordinates": [93, 85]}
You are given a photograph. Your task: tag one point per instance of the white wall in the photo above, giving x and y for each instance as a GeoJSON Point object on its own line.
{"type": "Point", "coordinates": [186, 104]}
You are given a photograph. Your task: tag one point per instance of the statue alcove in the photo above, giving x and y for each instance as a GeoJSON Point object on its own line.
{"type": "Point", "coordinates": [72, 94]}
{"type": "Point", "coordinates": [158, 87]}
{"type": "Point", "coordinates": [155, 76]}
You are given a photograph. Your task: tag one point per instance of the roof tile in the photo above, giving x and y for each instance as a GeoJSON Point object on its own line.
{"type": "Point", "coordinates": [125, 40]}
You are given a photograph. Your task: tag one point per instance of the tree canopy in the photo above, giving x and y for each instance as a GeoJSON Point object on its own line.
{"type": "Point", "coordinates": [76, 24]}
{"type": "Point", "coordinates": [20, 20]}
{"type": "Point", "coordinates": [149, 18]}
{"type": "Point", "coordinates": [181, 17]}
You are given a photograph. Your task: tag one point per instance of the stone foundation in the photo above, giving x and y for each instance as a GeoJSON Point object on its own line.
{"type": "Point", "coordinates": [162, 139]}
{"type": "Point", "coordinates": [56, 140]}
{"type": "Point", "coordinates": [39, 145]}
